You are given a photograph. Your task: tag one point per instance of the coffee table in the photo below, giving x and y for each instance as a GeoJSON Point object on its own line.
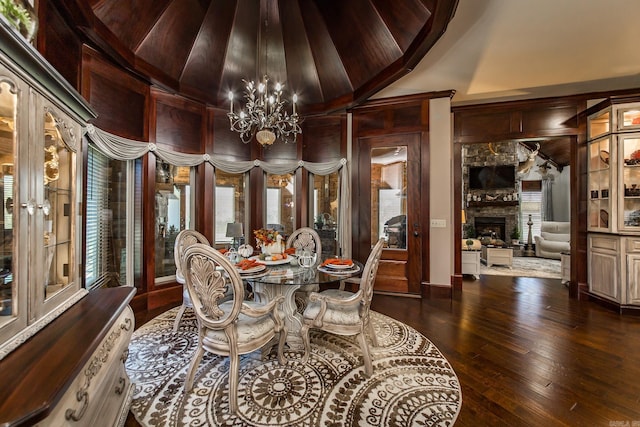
{"type": "Point", "coordinates": [493, 255]}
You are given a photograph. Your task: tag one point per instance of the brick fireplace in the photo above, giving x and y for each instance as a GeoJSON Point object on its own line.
{"type": "Point", "coordinates": [491, 210]}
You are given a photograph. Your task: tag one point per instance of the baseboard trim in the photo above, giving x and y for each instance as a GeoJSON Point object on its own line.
{"type": "Point", "coordinates": [624, 309]}
{"type": "Point", "coordinates": [433, 291]}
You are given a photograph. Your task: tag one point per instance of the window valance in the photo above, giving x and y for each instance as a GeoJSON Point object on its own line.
{"type": "Point", "coordinates": [119, 148]}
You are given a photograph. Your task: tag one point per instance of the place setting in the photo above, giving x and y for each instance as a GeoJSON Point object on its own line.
{"type": "Point", "coordinates": [337, 266]}
{"type": "Point", "coordinates": [250, 268]}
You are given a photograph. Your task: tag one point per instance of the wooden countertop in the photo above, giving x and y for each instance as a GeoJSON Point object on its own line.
{"type": "Point", "coordinates": [36, 375]}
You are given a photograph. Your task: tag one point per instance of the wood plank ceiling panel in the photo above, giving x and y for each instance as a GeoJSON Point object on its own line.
{"type": "Point", "coordinates": [333, 53]}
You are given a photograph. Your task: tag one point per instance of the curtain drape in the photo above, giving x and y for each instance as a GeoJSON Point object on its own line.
{"type": "Point", "coordinates": [547, 201]}
{"type": "Point", "coordinates": [119, 148]}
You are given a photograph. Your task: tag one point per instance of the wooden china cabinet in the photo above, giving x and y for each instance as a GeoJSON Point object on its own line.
{"type": "Point", "coordinates": [613, 128]}
{"type": "Point", "coordinates": [62, 349]}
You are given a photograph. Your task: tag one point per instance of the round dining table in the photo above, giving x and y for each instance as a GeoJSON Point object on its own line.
{"type": "Point", "coordinates": [287, 278]}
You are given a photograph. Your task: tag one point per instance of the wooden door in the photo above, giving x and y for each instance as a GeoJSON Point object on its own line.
{"type": "Point", "coordinates": [389, 200]}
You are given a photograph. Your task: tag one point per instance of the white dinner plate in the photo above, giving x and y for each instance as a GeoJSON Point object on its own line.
{"type": "Point", "coordinates": [270, 262]}
{"type": "Point", "coordinates": [353, 269]}
{"type": "Point", "coordinates": [252, 270]}
{"type": "Point", "coordinates": [339, 266]}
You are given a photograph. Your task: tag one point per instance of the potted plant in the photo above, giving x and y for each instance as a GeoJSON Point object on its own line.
{"type": "Point", "coordinates": [470, 231]}
{"type": "Point", "coordinates": [469, 243]}
{"type": "Point", "coordinates": [515, 235]}
{"type": "Point", "coordinates": [319, 222]}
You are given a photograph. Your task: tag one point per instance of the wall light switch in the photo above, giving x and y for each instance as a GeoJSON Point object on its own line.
{"type": "Point", "coordinates": [438, 223]}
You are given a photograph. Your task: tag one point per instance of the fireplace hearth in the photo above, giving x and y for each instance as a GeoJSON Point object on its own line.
{"type": "Point", "coordinates": [490, 226]}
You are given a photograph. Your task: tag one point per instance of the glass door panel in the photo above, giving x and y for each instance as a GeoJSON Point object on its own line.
{"type": "Point", "coordinates": [173, 213]}
{"type": "Point", "coordinates": [630, 150]}
{"type": "Point", "coordinates": [599, 183]}
{"type": "Point", "coordinates": [388, 196]}
{"type": "Point", "coordinates": [8, 100]}
{"type": "Point", "coordinates": [324, 210]}
{"type": "Point", "coordinates": [57, 160]}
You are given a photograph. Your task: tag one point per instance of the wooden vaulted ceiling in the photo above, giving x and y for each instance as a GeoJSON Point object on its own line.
{"type": "Point", "coordinates": [332, 53]}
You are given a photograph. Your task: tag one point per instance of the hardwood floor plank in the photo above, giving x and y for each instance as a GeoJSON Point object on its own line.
{"type": "Point", "coordinates": [526, 354]}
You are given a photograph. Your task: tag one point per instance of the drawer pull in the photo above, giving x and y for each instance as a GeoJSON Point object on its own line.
{"type": "Point", "coordinates": [71, 414]}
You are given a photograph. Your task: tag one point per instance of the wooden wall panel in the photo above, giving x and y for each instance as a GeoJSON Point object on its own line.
{"type": "Point", "coordinates": [516, 120]}
{"type": "Point", "coordinates": [371, 121]}
{"type": "Point", "coordinates": [408, 116]}
{"type": "Point", "coordinates": [551, 120]}
{"type": "Point", "coordinates": [121, 100]}
{"type": "Point", "coordinates": [180, 124]}
{"type": "Point", "coordinates": [225, 142]}
{"type": "Point", "coordinates": [59, 45]}
{"type": "Point", "coordinates": [483, 125]}
{"type": "Point", "coordinates": [322, 138]}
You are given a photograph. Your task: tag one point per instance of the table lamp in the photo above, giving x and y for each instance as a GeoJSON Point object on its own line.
{"type": "Point", "coordinates": [234, 229]}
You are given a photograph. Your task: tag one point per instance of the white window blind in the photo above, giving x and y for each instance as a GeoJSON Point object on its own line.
{"type": "Point", "coordinates": [530, 204]}
{"type": "Point", "coordinates": [225, 212]}
{"type": "Point", "coordinates": [99, 220]}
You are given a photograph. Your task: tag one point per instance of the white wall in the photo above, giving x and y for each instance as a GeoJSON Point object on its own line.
{"type": "Point", "coordinates": [441, 256]}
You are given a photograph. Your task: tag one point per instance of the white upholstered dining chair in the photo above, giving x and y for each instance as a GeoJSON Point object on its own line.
{"type": "Point", "coordinates": [228, 328]}
{"type": "Point", "coordinates": [305, 238]}
{"type": "Point", "coordinates": [345, 313]}
{"type": "Point", "coordinates": [184, 239]}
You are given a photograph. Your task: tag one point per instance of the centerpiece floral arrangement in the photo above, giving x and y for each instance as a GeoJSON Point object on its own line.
{"type": "Point", "coordinates": [269, 240]}
{"type": "Point", "coordinates": [265, 236]}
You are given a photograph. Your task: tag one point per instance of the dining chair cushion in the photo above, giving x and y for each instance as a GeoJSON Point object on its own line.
{"type": "Point", "coordinates": [336, 315]}
{"type": "Point", "coordinates": [249, 328]}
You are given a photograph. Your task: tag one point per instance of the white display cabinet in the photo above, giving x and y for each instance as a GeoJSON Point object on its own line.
{"type": "Point", "coordinates": [62, 348]}
{"type": "Point", "coordinates": [613, 222]}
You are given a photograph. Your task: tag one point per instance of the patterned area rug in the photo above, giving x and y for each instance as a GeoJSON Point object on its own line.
{"type": "Point", "coordinates": [526, 267]}
{"type": "Point", "coordinates": [413, 384]}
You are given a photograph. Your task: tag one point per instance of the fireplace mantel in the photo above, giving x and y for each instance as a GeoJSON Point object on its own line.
{"type": "Point", "coordinates": [493, 203]}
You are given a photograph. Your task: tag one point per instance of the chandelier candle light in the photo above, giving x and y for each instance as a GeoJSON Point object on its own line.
{"type": "Point", "coordinates": [265, 116]}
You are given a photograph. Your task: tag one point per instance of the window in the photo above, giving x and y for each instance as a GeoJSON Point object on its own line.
{"type": "Point", "coordinates": [531, 204]}
{"type": "Point", "coordinates": [229, 204]}
{"type": "Point", "coordinates": [107, 212]}
{"type": "Point", "coordinates": [280, 209]}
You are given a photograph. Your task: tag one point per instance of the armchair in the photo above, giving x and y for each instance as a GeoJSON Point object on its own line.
{"type": "Point", "coordinates": [345, 313]}
{"type": "Point", "coordinates": [230, 328]}
{"type": "Point", "coordinates": [184, 239]}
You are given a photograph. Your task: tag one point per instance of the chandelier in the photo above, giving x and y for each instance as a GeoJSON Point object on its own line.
{"type": "Point", "coordinates": [264, 114]}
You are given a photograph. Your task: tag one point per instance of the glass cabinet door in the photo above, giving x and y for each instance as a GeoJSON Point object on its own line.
{"type": "Point", "coordinates": [57, 258]}
{"type": "Point", "coordinates": [599, 184]}
{"type": "Point", "coordinates": [8, 287]}
{"type": "Point", "coordinates": [629, 118]}
{"type": "Point", "coordinates": [630, 161]}
{"type": "Point", "coordinates": [599, 124]}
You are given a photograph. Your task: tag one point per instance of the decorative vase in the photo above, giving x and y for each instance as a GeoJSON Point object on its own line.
{"type": "Point", "coordinates": [274, 248]}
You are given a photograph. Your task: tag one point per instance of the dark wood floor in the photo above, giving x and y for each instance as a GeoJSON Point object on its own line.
{"type": "Point", "coordinates": [527, 355]}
